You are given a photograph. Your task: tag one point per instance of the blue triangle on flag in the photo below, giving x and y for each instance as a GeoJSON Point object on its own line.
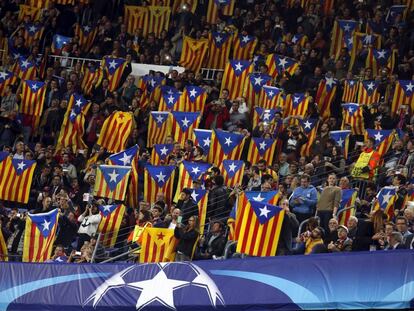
{"type": "Point", "coordinates": [163, 150]}
{"type": "Point", "coordinates": [204, 139]}
{"type": "Point", "coordinates": [107, 209]}
{"type": "Point", "coordinates": [228, 141]}
{"type": "Point", "coordinates": [196, 169]}
{"type": "Point", "coordinates": [185, 119]}
{"type": "Point", "coordinates": [21, 165]}
{"type": "Point", "coordinates": [113, 174]}
{"type": "Point", "coordinates": [198, 194]}
{"type": "Point", "coordinates": [159, 117]}
{"type": "Point", "coordinates": [45, 221]}
{"type": "Point", "coordinates": [264, 211]}
{"type": "Point", "coordinates": [263, 144]}
{"type": "Point", "coordinates": [232, 167]}
{"type": "Point", "coordinates": [125, 157]}
{"type": "Point", "coordinates": [259, 196]}
{"type": "Point", "coordinates": [160, 173]}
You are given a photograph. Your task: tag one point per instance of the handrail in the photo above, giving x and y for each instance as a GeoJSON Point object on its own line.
{"type": "Point", "coordinates": [129, 252]}
{"type": "Point", "coordinates": [96, 247]}
{"type": "Point", "coordinates": [305, 222]}
{"type": "Point", "coordinates": [344, 210]}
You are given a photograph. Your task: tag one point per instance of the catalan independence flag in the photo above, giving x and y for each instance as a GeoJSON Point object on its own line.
{"type": "Point", "coordinates": [111, 219]}
{"type": "Point", "coordinates": [202, 138]}
{"type": "Point", "coordinates": [112, 181]}
{"type": "Point", "coordinates": [270, 97]}
{"type": "Point", "coordinates": [341, 139]}
{"type": "Point", "coordinates": [244, 46]}
{"type": "Point", "coordinates": [135, 17]}
{"type": "Point", "coordinates": [383, 139]}
{"type": "Point", "coordinates": [231, 222]}
{"type": "Point", "coordinates": [232, 171]}
{"type": "Point", "coordinates": [114, 69]}
{"type": "Point", "coordinates": [191, 5]}
{"type": "Point", "coordinates": [377, 59]}
{"type": "Point", "coordinates": [183, 125]}
{"type": "Point", "coordinates": [220, 45]}
{"type": "Point", "coordinates": [310, 128]}
{"type": "Point", "coordinates": [385, 201]}
{"type": "Point", "coordinates": [39, 236]}
{"type": "Point", "coordinates": [25, 68]}
{"type": "Point", "coordinates": [158, 127]}
{"type": "Point", "coordinates": [353, 116]}
{"type": "Point", "coordinates": [325, 95]}
{"type": "Point", "coordinates": [254, 88]}
{"type": "Point", "coordinates": [226, 7]}
{"type": "Point", "coordinates": [188, 172]}
{"type": "Point", "coordinates": [342, 29]}
{"type": "Point", "coordinates": [152, 86]}
{"type": "Point", "coordinates": [297, 105]}
{"type": "Point", "coordinates": [32, 32]}
{"type": "Point", "coordinates": [193, 98]}
{"type": "Point", "coordinates": [155, 244]}
{"type": "Point", "coordinates": [158, 179]}
{"type": "Point", "coordinates": [261, 148]}
{"type": "Point", "coordinates": [403, 95]}
{"type": "Point", "coordinates": [115, 131]}
{"type": "Point", "coordinates": [348, 199]}
{"type": "Point", "coordinates": [160, 152]}
{"type": "Point", "coordinates": [58, 43]}
{"type": "Point", "coordinates": [278, 65]}
{"type": "Point", "coordinates": [92, 78]}
{"type": "Point", "coordinates": [264, 115]}
{"type": "Point", "coordinates": [300, 38]}
{"type": "Point", "coordinates": [72, 130]}
{"type": "Point", "coordinates": [225, 145]}
{"type": "Point", "coordinates": [86, 35]}
{"type": "Point", "coordinates": [158, 20]}
{"type": "Point", "coordinates": [258, 227]}
{"type": "Point", "coordinates": [193, 53]}
{"type": "Point", "coordinates": [33, 97]}
{"type": "Point", "coordinates": [368, 92]}
{"type": "Point", "coordinates": [16, 178]}
{"type": "Point", "coordinates": [350, 91]}
{"type": "Point", "coordinates": [170, 99]}
{"type": "Point", "coordinates": [200, 196]}
{"type": "Point", "coordinates": [3, 248]}
{"type": "Point", "coordinates": [235, 75]}
{"type": "Point", "coordinates": [24, 10]}
{"type": "Point", "coordinates": [6, 78]}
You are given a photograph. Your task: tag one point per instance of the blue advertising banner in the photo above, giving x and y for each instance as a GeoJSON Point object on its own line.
{"type": "Point", "coordinates": [326, 281]}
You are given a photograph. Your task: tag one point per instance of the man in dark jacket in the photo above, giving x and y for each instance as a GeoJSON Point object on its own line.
{"type": "Point", "coordinates": [214, 242]}
{"type": "Point", "coordinates": [187, 205]}
{"type": "Point", "coordinates": [289, 229]}
{"type": "Point", "coordinates": [217, 199]}
{"type": "Point", "coordinates": [68, 229]}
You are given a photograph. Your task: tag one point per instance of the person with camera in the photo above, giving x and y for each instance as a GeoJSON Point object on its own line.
{"type": "Point", "coordinates": [89, 222]}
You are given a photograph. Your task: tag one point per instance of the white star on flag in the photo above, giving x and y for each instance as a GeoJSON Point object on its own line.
{"type": "Point", "coordinates": [112, 64]}
{"type": "Point", "coordinates": [185, 122]}
{"type": "Point", "coordinates": [386, 197]}
{"type": "Point", "coordinates": [368, 39]}
{"type": "Point", "coordinates": [258, 198]}
{"type": "Point", "coordinates": [351, 110]}
{"type": "Point", "coordinates": [296, 99]}
{"type": "Point", "coordinates": [378, 136]}
{"type": "Point", "coordinates": [228, 141]}
{"type": "Point", "coordinates": [409, 87]}
{"type": "Point", "coordinates": [170, 99]}
{"type": "Point", "coordinates": [351, 83]}
{"type": "Point", "coordinates": [264, 211]}
{"type": "Point", "coordinates": [106, 208]}
{"type": "Point", "coordinates": [126, 159]}
{"type": "Point", "coordinates": [307, 124]}
{"type": "Point", "coordinates": [283, 62]}
{"type": "Point", "coordinates": [25, 63]}
{"type": "Point", "coordinates": [3, 75]}
{"type": "Point", "coordinates": [34, 87]}
{"type": "Point", "coordinates": [159, 119]}
{"type": "Point", "coordinates": [193, 93]}
{"type": "Point", "coordinates": [32, 29]}
{"type": "Point", "coordinates": [239, 66]}
{"type": "Point", "coordinates": [113, 176]}
{"type": "Point", "coordinates": [161, 177]}
{"type": "Point", "coordinates": [194, 195]}
{"type": "Point", "coordinates": [86, 28]}
{"type": "Point", "coordinates": [78, 103]}
{"type": "Point", "coordinates": [266, 116]}
{"type": "Point", "coordinates": [21, 165]}
{"type": "Point", "coordinates": [232, 167]}
{"type": "Point", "coordinates": [58, 39]}
{"type": "Point", "coordinates": [46, 225]}
{"type": "Point", "coordinates": [381, 53]}
{"type": "Point", "coordinates": [164, 150]}
{"type": "Point", "coordinates": [370, 86]}
{"type": "Point", "coordinates": [330, 81]}
{"type": "Point", "coordinates": [350, 41]}
{"type": "Point", "coordinates": [206, 142]}
{"type": "Point", "coordinates": [218, 38]}
{"type": "Point", "coordinates": [245, 39]}
{"type": "Point", "coordinates": [195, 170]}
{"type": "Point", "coordinates": [152, 82]}
{"type": "Point", "coordinates": [347, 27]}
{"type": "Point", "coordinates": [294, 39]}
{"type": "Point", "coordinates": [340, 142]}
{"type": "Point", "coordinates": [258, 81]}
{"type": "Point", "coordinates": [262, 145]}
{"type": "Point", "coordinates": [270, 94]}
{"type": "Point", "coordinates": [72, 114]}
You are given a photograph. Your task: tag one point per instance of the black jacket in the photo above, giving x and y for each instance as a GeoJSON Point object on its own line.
{"type": "Point", "coordinates": [188, 208]}
{"type": "Point", "coordinates": [217, 246]}
{"type": "Point", "coordinates": [289, 229]}
{"type": "Point", "coordinates": [187, 240]}
{"type": "Point", "coordinates": [217, 203]}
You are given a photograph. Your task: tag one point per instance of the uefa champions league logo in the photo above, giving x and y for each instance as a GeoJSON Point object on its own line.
{"type": "Point", "coordinates": [160, 288]}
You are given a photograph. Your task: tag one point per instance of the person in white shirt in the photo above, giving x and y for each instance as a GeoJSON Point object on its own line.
{"type": "Point", "coordinates": [89, 222]}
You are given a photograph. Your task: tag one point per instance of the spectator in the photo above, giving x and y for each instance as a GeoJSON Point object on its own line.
{"type": "Point", "coordinates": [328, 203]}
{"type": "Point", "coordinates": [303, 199]}
{"type": "Point", "coordinates": [343, 244]}
{"type": "Point", "coordinates": [396, 241]}
{"type": "Point", "coordinates": [188, 237]}
{"type": "Point", "coordinates": [213, 243]}
{"type": "Point", "coordinates": [187, 204]}
{"type": "Point", "coordinates": [89, 222]}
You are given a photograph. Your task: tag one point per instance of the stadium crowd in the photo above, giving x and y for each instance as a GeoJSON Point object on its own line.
{"type": "Point", "coordinates": [308, 185]}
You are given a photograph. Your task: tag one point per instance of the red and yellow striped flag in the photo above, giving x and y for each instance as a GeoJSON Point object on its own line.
{"type": "Point", "coordinates": [158, 179]}
{"type": "Point", "coordinates": [32, 33]}
{"type": "Point", "coordinates": [158, 20]}
{"type": "Point", "coordinates": [225, 145]}
{"type": "Point", "coordinates": [278, 65]}
{"type": "Point", "coordinates": [114, 69]}
{"type": "Point", "coordinates": [235, 76]}
{"type": "Point", "coordinates": [244, 46]}
{"type": "Point", "coordinates": [377, 59]}
{"type": "Point", "coordinates": [348, 199]}
{"type": "Point", "coordinates": [33, 12]}
{"type": "Point", "coordinates": [16, 178]}
{"type": "Point", "coordinates": [135, 18]}
{"type": "Point", "coordinates": [383, 139]}
{"type": "Point", "coordinates": [220, 45]}
{"type": "Point", "coordinates": [183, 125]}
{"type": "Point", "coordinates": [350, 91]}
{"type": "Point", "coordinates": [297, 105]}
{"type": "Point", "coordinates": [353, 116]}
{"type": "Point", "coordinates": [189, 172]}
{"type": "Point", "coordinates": [3, 248]}
{"type": "Point", "coordinates": [325, 96]}
{"type": "Point", "coordinates": [270, 97]}
{"type": "Point", "coordinates": [261, 148]}
{"type": "Point", "coordinates": [182, 5]}
{"type": "Point", "coordinates": [25, 69]}
{"type": "Point", "coordinates": [92, 78]}
{"type": "Point", "coordinates": [159, 125]}
{"type": "Point", "coordinates": [72, 130]}
{"type": "Point", "coordinates": [155, 244]}
{"type": "Point", "coordinates": [115, 131]}
{"type": "Point", "coordinates": [342, 30]}
{"type": "Point", "coordinates": [310, 127]}
{"type": "Point", "coordinates": [38, 3]}
{"type": "Point", "coordinates": [193, 98]}
{"type": "Point", "coordinates": [226, 7]}
{"type": "Point", "coordinates": [39, 236]}
{"type": "Point", "coordinates": [385, 201]}
{"type": "Point", "coordinates": [368, 92]}
{"type": "Point", "coordinates": [111, 220]}
{"type": "Point", "coordinates": [6, 78]}
{"type": "Point", "coordinates": [111, 181]}
{"type": "Point", "coordinates": [403, 95]}
{"type": "Point", "coordinates": [33, 97]}
{"type": "Point", "coordinates": [258, 227]}
{"type": "Point", "coordinates": [193, 53]}
{"type": "Point", "coordinates": [200, 196]}
{"type": "Point", "coordinates": [253, 90]}
{"type": "Point", "coordinates": [233, 172]}
{"type": "Point", "coordinates": [86, 35]}
{"type": "Point", "coordinates": [160, 153]}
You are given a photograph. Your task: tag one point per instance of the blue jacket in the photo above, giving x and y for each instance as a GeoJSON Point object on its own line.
{"type": "Point", "coordinates": [309, 197]}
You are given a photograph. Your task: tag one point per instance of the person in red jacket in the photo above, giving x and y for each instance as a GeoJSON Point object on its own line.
{"type": "Point", "coordinates": [215, 115]}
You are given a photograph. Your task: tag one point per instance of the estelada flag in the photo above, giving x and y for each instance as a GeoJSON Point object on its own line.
{"type": "Point", "coordinates": [403, 95]}
{"type": "Point", "coordinates": [160, 152]}
{"type": "Point", "coordinates": [278, 65]}
{"type": "Point", "coordinates": [368, 92]}
{"type": "Point", "coordinates": [6, 78]}
{"type": "Point", "coordinates": [193, 98]}
{"type": "Point", "coordinates": [232, 171]}
{"type": "Point", "coordinates": [111, 219]}
{"type": "Point", "coordinates": [15, 178]}
{"type": "Point", "coordinates": [86, 35]}
{"type": "Point", "coordinates": [159, 126]}
{"type": "Point", "coordinates": [254, 88]}
{"type": "Point", "coordinates": [111, 181]}
{"type": "Point", "coordinates": [258, 227]}
{"type": "Point", "coordinates": [202, 138]}
{"type": "Point", "coordinates": [58, 44]}
{"type": "Point", "coordinates": [383, 139]}
{"type": "Point", "coordinates": [225, 6]}
{"type": "Point", "coordinates": [114, 69]}
{"type": "Point", "coordinates": [170, 99]}
{"type": "Point", "coordinates": [158, 19]}
{"type": "Point", "coordinates": [220, 45]}
{"type": "Point", "coordinates": [341, 139]}
{"type": "Point", "coordinates": [115, 131]}
{"type": "Point", "coordinates": [193, 53]}
{"type": "Point", "coordinates": [235, 75]}
{"type": "Point", "coordinates": [325, 96]}
{"type": "Point", "coordinates": [297, 105]}
{"type": "Point", "coordinates": [270, 97]}
{"type": "Point", "coordinates": [25, 68]}
{"type": "Point", "coordinates": [310, 127]}
{"type": "Point", "coordinates": [261, 148]}
{"type": "Point", "coordinates": [92, 78]}
{"type": "Point", "coordinates": [158, 178]}
{"type": "Point", "coordinates": [135, 17]}
{"type": "Point", "coordinates": [380, 58]}
{"type": "Point", "coordinates": [244, 46]}
{"type": "Point", "coordinates": [32, 32]}
{"type": "Point", "coordinates": [350, 91]}
{"type": "Point", "coordinates": [33, 97]}
{"type": "Point", "coordinates": [347, 200]}
{"type": "Point", "coordinates": [267, 116]}
{"type": "Point", "coordinates": [183, 125]}
{"type": "Point", "coordinates": [155, 244]}
{"type": "Point", "coordinates": [39, 236]}
{"type": "Point", "coordinates": [342, 29]}
{"type": "Point", "coordinates": [353, 116]}
{"type": "Point", "coordinates": [385, 200]}
{"type": "Point", "coordinates": [200, 197]}
{"type": "Point", "coordinates": [226, 145]}
{"type": "Point", "coordinates": [189, 172]}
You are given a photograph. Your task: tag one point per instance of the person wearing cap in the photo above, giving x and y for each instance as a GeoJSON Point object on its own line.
{"type": "Point", "coordinates": [367, 163]}
{"type": "Point", "coordinates": [186, 204]}
{"type": "Point", "coordinates": [343, 244]}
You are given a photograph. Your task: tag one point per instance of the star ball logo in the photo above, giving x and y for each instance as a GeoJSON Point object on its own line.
{"type": "Point", "coordinates": [159, 284]}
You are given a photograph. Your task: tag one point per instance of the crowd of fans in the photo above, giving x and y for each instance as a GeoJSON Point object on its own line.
{"type": "Point", "coordinates": [306, 184]}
